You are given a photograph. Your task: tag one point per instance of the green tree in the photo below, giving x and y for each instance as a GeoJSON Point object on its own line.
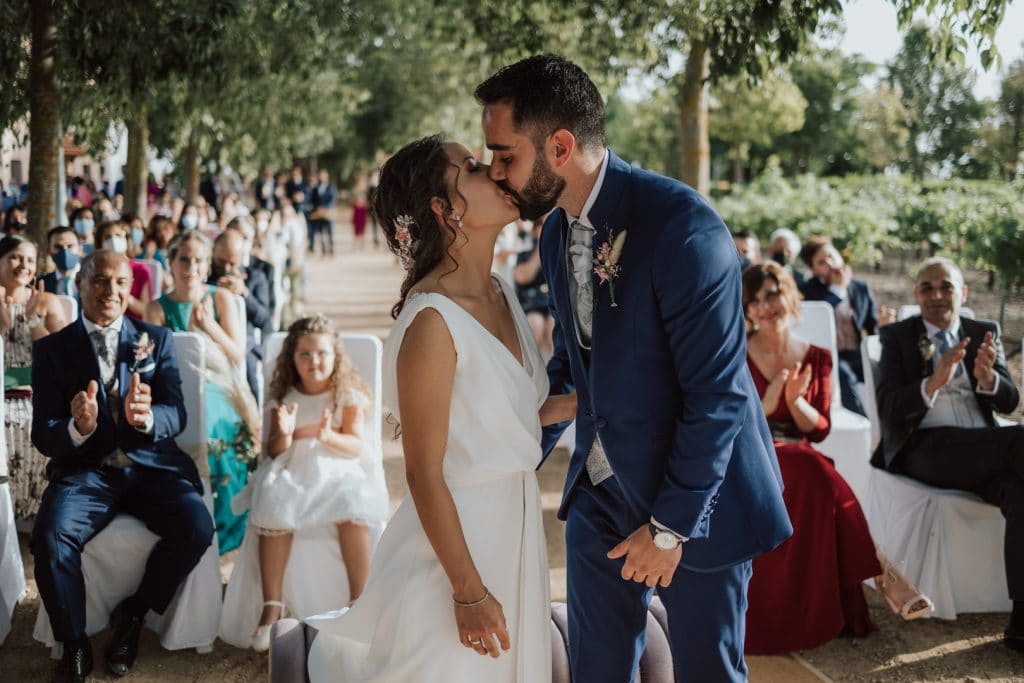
{"type": "Point", "coordinates": [880, 128]}
{"type": "Point", "coordinates": [1011, 104]}
{"type": "Point", "coordinates": [744, 115]}
{"type": "Point", "coordinates": [645, 131]}
{"type": "Point", "coordinates": [942, 113]}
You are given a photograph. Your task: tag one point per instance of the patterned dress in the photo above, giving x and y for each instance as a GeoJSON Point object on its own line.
{"type": "Point", "coordinates": [26, 465]}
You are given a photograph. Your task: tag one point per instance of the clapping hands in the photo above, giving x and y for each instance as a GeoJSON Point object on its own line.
{"type": "Point", "coordinates": [985, 363]}
{"type": "Point", "coordinates": [233, 283]}
{"type": "Point", "coordinates": [319, 430]}
{"type": "Point", "coordinates": [789, 385]}
{"type": "Point", "coordinates": [947, 363]}
{"type": "Point", "coordinates": [202, 316]}
{"type": "Point", "coordinates": [138, 402]}
{"type": "Point", "coordinates": [283, 419]}
{"type": "Point", "coordinates": [85, 410]}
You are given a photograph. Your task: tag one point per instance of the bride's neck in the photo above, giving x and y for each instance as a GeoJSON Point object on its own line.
{"type": "Point", "coordinates": [466, 272]}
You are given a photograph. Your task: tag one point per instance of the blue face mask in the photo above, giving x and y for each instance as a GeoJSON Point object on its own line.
{"type": "Point", "coordinates": [189, 222]}
{"type": "Point", "coordinates": [65, 260]}
{"type": "Point", "coordinates": [138, 237]}
{"type": "Point", "coordinates": [83, 226]}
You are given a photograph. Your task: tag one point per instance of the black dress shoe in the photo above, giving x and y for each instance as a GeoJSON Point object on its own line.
{"type": "Point", "coordinates": [75, 664]}
{"type": "Point", "coordinates": [1013, 639]}
{"type": "Point", "coordinates": [124, 643]}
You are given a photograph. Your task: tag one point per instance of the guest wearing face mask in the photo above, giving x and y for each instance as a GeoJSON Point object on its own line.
{"type": "Point", "coordinates": [784, 248]}
{"type": "Point", "coordinates": [137, 236]}
{"type": "Point", "coordinates": [189, 218]}
{"type": "Point", "coordinates": [229, 272]}
{"type": "Point", "coordinates": [116, 236]}
{"type": "Point", "coordinates": [84, 223]}
{"type": "Point", "coordinates": [66, 253]}
{"type": "Point", "coordinates": [250, 254]}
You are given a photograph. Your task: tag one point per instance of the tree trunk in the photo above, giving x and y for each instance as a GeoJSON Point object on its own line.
{"type": "Point", "coordinates": [740, 155]}
{"type": "Point", "coordinates": [693, 119]}
{"type": "Point", "coordinates": [136, 175]}
{"type": "Point", "coordinates": [44, 122]}
{"type": "Point", "coordinates": [192, 167]}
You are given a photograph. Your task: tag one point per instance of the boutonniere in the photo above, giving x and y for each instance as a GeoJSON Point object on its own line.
{"type": "Point", "coordinates": [606, 262]}
{"type": "Point", "coordinates": [141, 349]}
{"type": "Point", "coordinates": [927, 347]}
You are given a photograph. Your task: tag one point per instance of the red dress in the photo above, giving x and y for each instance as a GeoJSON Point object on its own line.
{"type": "Point", "coordinates": [808, 590]}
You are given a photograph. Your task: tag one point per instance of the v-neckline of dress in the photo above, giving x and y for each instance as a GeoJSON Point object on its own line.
{"type": "Point", "coordinates": [488, 333]}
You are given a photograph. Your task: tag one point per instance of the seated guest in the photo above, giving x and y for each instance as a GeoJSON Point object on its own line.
{"type": "Point", "coordinates": [251, 259]}
{"type": "Point", "coordinates": [230, 273]}
{"type": "Point", "coordinates": [855, 310]}
{"type": "Point", "coordinates": [941, 379]}
{"type": "Point", "coordinates": [817, 573]}
{"type": "Point", "coordinates": [748, 248]}
{"type": "Point", "coordinates": [784, 248]}
{"type": "Point", "coordinates": [84, 224]}
{"type": "Point", "coordinates": [66, 254]}
{"type": "Point", "coordinates": [107, 405]}
{"type": "Point", "coordinates": [158, 235]}
{"type": "Point", "coordinates": [117, 237]}
{"type": "Point", "coordinates": [232, 418]}
{"type": "Point", "coordinates": [26, 314]}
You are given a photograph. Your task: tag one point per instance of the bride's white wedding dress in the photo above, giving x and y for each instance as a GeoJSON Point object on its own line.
{"type": "Point", "coordinates": [402, 629]}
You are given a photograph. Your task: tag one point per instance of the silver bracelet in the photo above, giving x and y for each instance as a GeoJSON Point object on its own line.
{"type": "Point", "coordinates": [459, 603]}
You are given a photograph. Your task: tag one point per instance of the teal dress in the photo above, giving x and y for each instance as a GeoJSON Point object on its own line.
{"type": "Point", "coordinates": [228, 439]}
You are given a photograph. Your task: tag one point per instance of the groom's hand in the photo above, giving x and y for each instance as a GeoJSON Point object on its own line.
{"type": "Point", "coordinates": [645, 562]}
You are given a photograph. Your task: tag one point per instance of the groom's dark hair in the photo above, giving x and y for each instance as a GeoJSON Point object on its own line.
{"type": "Point", "coordinates": [548, 92]}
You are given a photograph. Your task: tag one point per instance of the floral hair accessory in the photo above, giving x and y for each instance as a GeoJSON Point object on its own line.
{"type": "Point", "coordinates": [606, 262]}
{"type": "Point", "coordinates": [404, 238]}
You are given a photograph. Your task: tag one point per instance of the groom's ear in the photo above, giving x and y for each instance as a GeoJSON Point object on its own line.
{"type": "Point", "coordinates": [559, 148]}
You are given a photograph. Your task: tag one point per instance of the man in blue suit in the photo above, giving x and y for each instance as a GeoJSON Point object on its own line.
{"type": "Point", "coordinates": [106, 406]}
{"type": "Point", "coordinates": [673, 482]}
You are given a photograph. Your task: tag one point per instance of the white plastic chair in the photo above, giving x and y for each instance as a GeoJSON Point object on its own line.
{"type": "Point", "coordinates": [114, 560]}
{"type": "Point", "coordinates": [948, 543]}
{"type": "Point", "coordinates": [156, 275]}
{"type": "Point", "coordinates": [910, 310]}
{"type": "Point", "coordinates": [315, 580]}
{"type": "Point", "coordinates": [70, 307]}
{"type": "Point", "coordinates": [12, 571]}
{"type": "Point", "coordinates": [849, 441]}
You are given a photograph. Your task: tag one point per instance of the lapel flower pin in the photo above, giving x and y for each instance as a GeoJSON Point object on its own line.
{"type": "Point", "coordinates": [141, 349]}
{"type": "Point", "coordinates": [927, 347]}
{"type": "Point", "coordinates": [606, 262]}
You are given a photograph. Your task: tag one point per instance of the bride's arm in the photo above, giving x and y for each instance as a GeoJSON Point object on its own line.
{"type": "Point", "coordinates": [426, 375]}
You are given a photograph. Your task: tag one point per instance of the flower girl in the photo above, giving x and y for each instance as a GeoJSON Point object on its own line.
{"type": "Point", "coordinates": [317, 470]}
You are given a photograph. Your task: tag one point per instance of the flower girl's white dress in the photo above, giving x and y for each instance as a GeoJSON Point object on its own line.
{"type": "Point", "coordinates": [402, 629]}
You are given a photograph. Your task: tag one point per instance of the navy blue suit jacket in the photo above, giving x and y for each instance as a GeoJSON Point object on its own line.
{"type": "Point", "coordinates": [667, 386]}
{"type": "Point", "coordinates": [862, 302]}
{"type": "Point", "coordinates": [64, 362]}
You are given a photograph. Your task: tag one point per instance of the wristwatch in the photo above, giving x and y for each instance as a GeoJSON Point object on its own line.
{"type": "Point", "coordinates": [663, 539]}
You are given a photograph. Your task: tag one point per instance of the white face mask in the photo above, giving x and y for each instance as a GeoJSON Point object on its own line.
{"type": "Point", "coordinates": [116, 243]}
{"type": "Point", "coordinates": [262, 224]}
{"type": "Point", "coordinates": [246, 252]}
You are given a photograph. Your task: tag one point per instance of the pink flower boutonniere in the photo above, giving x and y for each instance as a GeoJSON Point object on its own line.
{"type": "Point", "coordinates": [606, 262]}
{"type": "Point", "coordinates": [141, 350]}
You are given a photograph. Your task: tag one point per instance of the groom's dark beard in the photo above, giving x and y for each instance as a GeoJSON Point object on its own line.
{"type": "Point", "coordinates": [541, 192]}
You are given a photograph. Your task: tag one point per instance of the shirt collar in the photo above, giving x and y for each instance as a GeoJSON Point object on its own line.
{"type": "Point", "coordinates": [584, 216]}
{"type": "Point", "coordinates": [953, 329]}
{"type": "Point", "coordinates": [91, 327]}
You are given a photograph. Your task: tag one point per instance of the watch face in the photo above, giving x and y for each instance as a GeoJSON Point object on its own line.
{"type": "Point", "coordinates": [666, 541]}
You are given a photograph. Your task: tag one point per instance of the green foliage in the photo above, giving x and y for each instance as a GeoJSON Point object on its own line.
{"type": "Point", "coordinates": [646, 132]}
{"type": "Point", "coordinates": [977, 223]}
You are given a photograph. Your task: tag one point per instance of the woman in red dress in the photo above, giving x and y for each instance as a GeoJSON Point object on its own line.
{"type": "Point", "coordinates": [809, 589]}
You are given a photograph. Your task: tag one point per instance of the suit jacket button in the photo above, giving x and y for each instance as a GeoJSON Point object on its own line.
{"type": "Point", "coordinates": [601, 423]}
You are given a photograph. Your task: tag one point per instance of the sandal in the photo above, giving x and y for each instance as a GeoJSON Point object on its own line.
{"type": "Point", "coordinates": [261, 639]}
{"type": "Point", "coordinates": [917, 606]}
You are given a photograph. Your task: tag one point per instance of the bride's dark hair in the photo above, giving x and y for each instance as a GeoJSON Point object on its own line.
{"type": "Point", "coordinates": [409, 181]}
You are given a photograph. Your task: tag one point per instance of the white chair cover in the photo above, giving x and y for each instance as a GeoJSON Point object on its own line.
{"type": "Point", "coordinates": [849, 441]}
{"type": "Point", "coordinates": [114, 560]}
{"type": "Point", "coordinates": [69, 304]}
{"type": "Point", "coordinates": [12, 572]}
{"type": "Point", "coordinates": [948, 543]}
{"type": "Point", "coordinates": [315, 580]}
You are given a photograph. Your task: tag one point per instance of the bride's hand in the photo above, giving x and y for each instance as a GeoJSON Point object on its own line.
{"type": "Point", "coordinates": [558, 409]}
{"type": "Point", "coordinates": [481, 624]}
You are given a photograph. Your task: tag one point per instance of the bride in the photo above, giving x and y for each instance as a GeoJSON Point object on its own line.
{"type": "Point", "coordinates": [458, 590]}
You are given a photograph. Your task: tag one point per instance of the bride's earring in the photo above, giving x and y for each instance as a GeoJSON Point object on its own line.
{"type": "Point", "coordinates": [458, 222]}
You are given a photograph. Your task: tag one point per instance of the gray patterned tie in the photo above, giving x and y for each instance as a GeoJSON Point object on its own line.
{"type": "Point", "coordinates": [581, 256]}
{"type": "Point", "coordinates": [944, 342]}
{"type": "Point", "coordinates": [105, 342]}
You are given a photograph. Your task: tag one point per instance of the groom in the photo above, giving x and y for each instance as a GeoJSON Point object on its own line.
{"type": "Point", "coordinates": [106, 406]}
{"type": "Point", "coordinates": [673, 483]}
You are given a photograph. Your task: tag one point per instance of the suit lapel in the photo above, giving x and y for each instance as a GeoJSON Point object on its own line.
{"type": "Point", "coordinates": [124, 352]}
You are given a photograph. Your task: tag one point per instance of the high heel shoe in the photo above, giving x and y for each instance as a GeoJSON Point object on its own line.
{"type": "Point", "coordinates": [261, 639]}
{"type": "Point", "coordinates": [889, 583]}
